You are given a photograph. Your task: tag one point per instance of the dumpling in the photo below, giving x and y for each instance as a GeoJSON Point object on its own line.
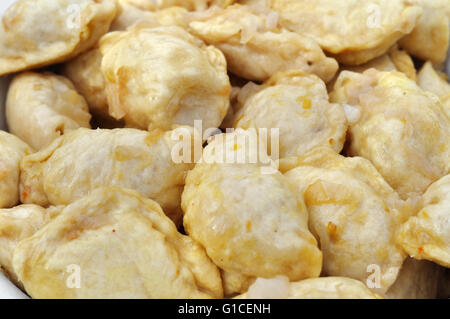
{"type": "Point", "coordinates": [163, 76]}
{"type": "Point", "coordinates": [12, 150]}
{"type": "Point", "coordinates": [430, 38]}
{"type": "Point", "coordinates": [314, 288]}
{"type": "Point", "coordinates": [17, 224]}
{"type": "Point", "coordinates": [121, 245]}
{"type": "Point", "coordinates": [85, 71]}
{"type": "Point", "coordinates": [353, 213]}
{"type": "Point", "coordinates": [297, 104]}
{"type": "Point", "coordinates": [427, 235]}
{"type": "Point", "coordinates": [403, 130]}
{"type": "Point", "coordinates": [42, 107]}
{"type": "Point", "coordinates": [403, 62]}
{"type": "Point", "coordinates": [30, 39]}
{"type": "Point", "coordinates": [248, 219]}
{"type": "Point", "coordinates": [394, 60]}
{"type": "Point", "coordinates": [354, 31]}
{"type": "Point", "coordinates": [256, 47]}
{"type": "Point", "coordinates": [129, 14]}
{"type": "Point", "coordinates": [86, 74]}
{"type": "Point", "coordinates": [436, 82]}
{"type": "Point", "coordinates": [418, 279]}
{"type": "Point", "coordinates": [431, 80]}
{"type": "Point", "coordinates": [83, 160]}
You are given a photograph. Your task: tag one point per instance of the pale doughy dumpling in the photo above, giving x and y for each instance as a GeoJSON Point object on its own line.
{"type": "Point", "coordinates": [85, 70]}
{"type": "Point", "coordinates": [418, 279]}
{"type": "Point", "coordinates": [17, 224]}
{"type": "Point", "coordinates": [296, 104]}
{"type": "Point", "coordinates": [12, 150]}
{"type": "Point", "coordinates": [427, 235]}
{"type": "Point", "coordinates": [431, 80]}
{"type": "Point", "coordinates": [36, 33]}
{"type": "Point", "coordinates": [123, 246]}
{"type": "Point", "coordinates": [403, 130]}
{"type": "Point", "coordinates": [249, 220]}
{"type": "Point", "coordinates": [255, 46]}
{"type": "Point", "coordinates": [354, 31]}
{"type": "Point", "coordinates": [314, 288]}
{"type": "Point", "coordinates": [430, 38]}
{"type": "Point", "coordinates": [83, 160]}
{"type": "Point", "coordinates": [353, 213]}
{"type": "Point", "coordinates": [86, 75]}
{"type": "Point", "coordinates": [160, 77]}
{"type": "Point", "coordinates": [42, 107]}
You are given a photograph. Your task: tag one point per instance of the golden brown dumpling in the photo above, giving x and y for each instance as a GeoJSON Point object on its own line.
{"type": "Point", "coordinates": [249, 220]}
{"type": "Point", "coordinates": [17, 224]}
{"type": "Point", "coordinates": [354, 31]}
{"type": "Point", "coordinates": [36, 33]}
{"type": "Point", "coordinates": [255, 46]}
{"type": "Point", "coordinates": [403, 130]}
{"type": "Point", "coordinates": [429, 39]}
{"type": "Point", "coordinates": [83, 160]}
{"type": "Point", "coordinates": [177, 80]}
{"type": "Point", "coordinates": [42, 107]}
{"type": "Point", "coordinates": [353, 213]}
{"type": "Point", "coordinates": [123, 246]}
{"type": "Point", "coordinates": [314, 288]}
{"type": "Point", "coordinates": [12, 150]}
{"type": "Point", "coordinates": [297, 104]}
{"type": "Point", "coordinates": [427, 235]}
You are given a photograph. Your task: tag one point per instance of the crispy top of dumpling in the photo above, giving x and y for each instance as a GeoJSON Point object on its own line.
{"type": "Point", "coordinates": [42, 107]}
{"type": "Point", "coordinates": [256, 47]}
{"type": "Point", "coordinates": [353, 213]}
{"type": "Point", "coordinates": [30, 39]}
{"type": "Point", "coordinates": [124, 246]}
{"type": "Point", "coordinates": [297, 104]}
{"type": "Point", "coordinates": [163, 76]}
{"type": "Point", "coordinates": [12, 150]}
{"type": "Point", "coordinates": [403, 130]}
{"type": "Point", "coordinates": [250, 222]}
{"type": "Point", "coordinates": [355, 31]}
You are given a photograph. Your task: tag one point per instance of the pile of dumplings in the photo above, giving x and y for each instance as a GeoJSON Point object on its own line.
{"type": "Point", "coordinates": [93, 204]}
